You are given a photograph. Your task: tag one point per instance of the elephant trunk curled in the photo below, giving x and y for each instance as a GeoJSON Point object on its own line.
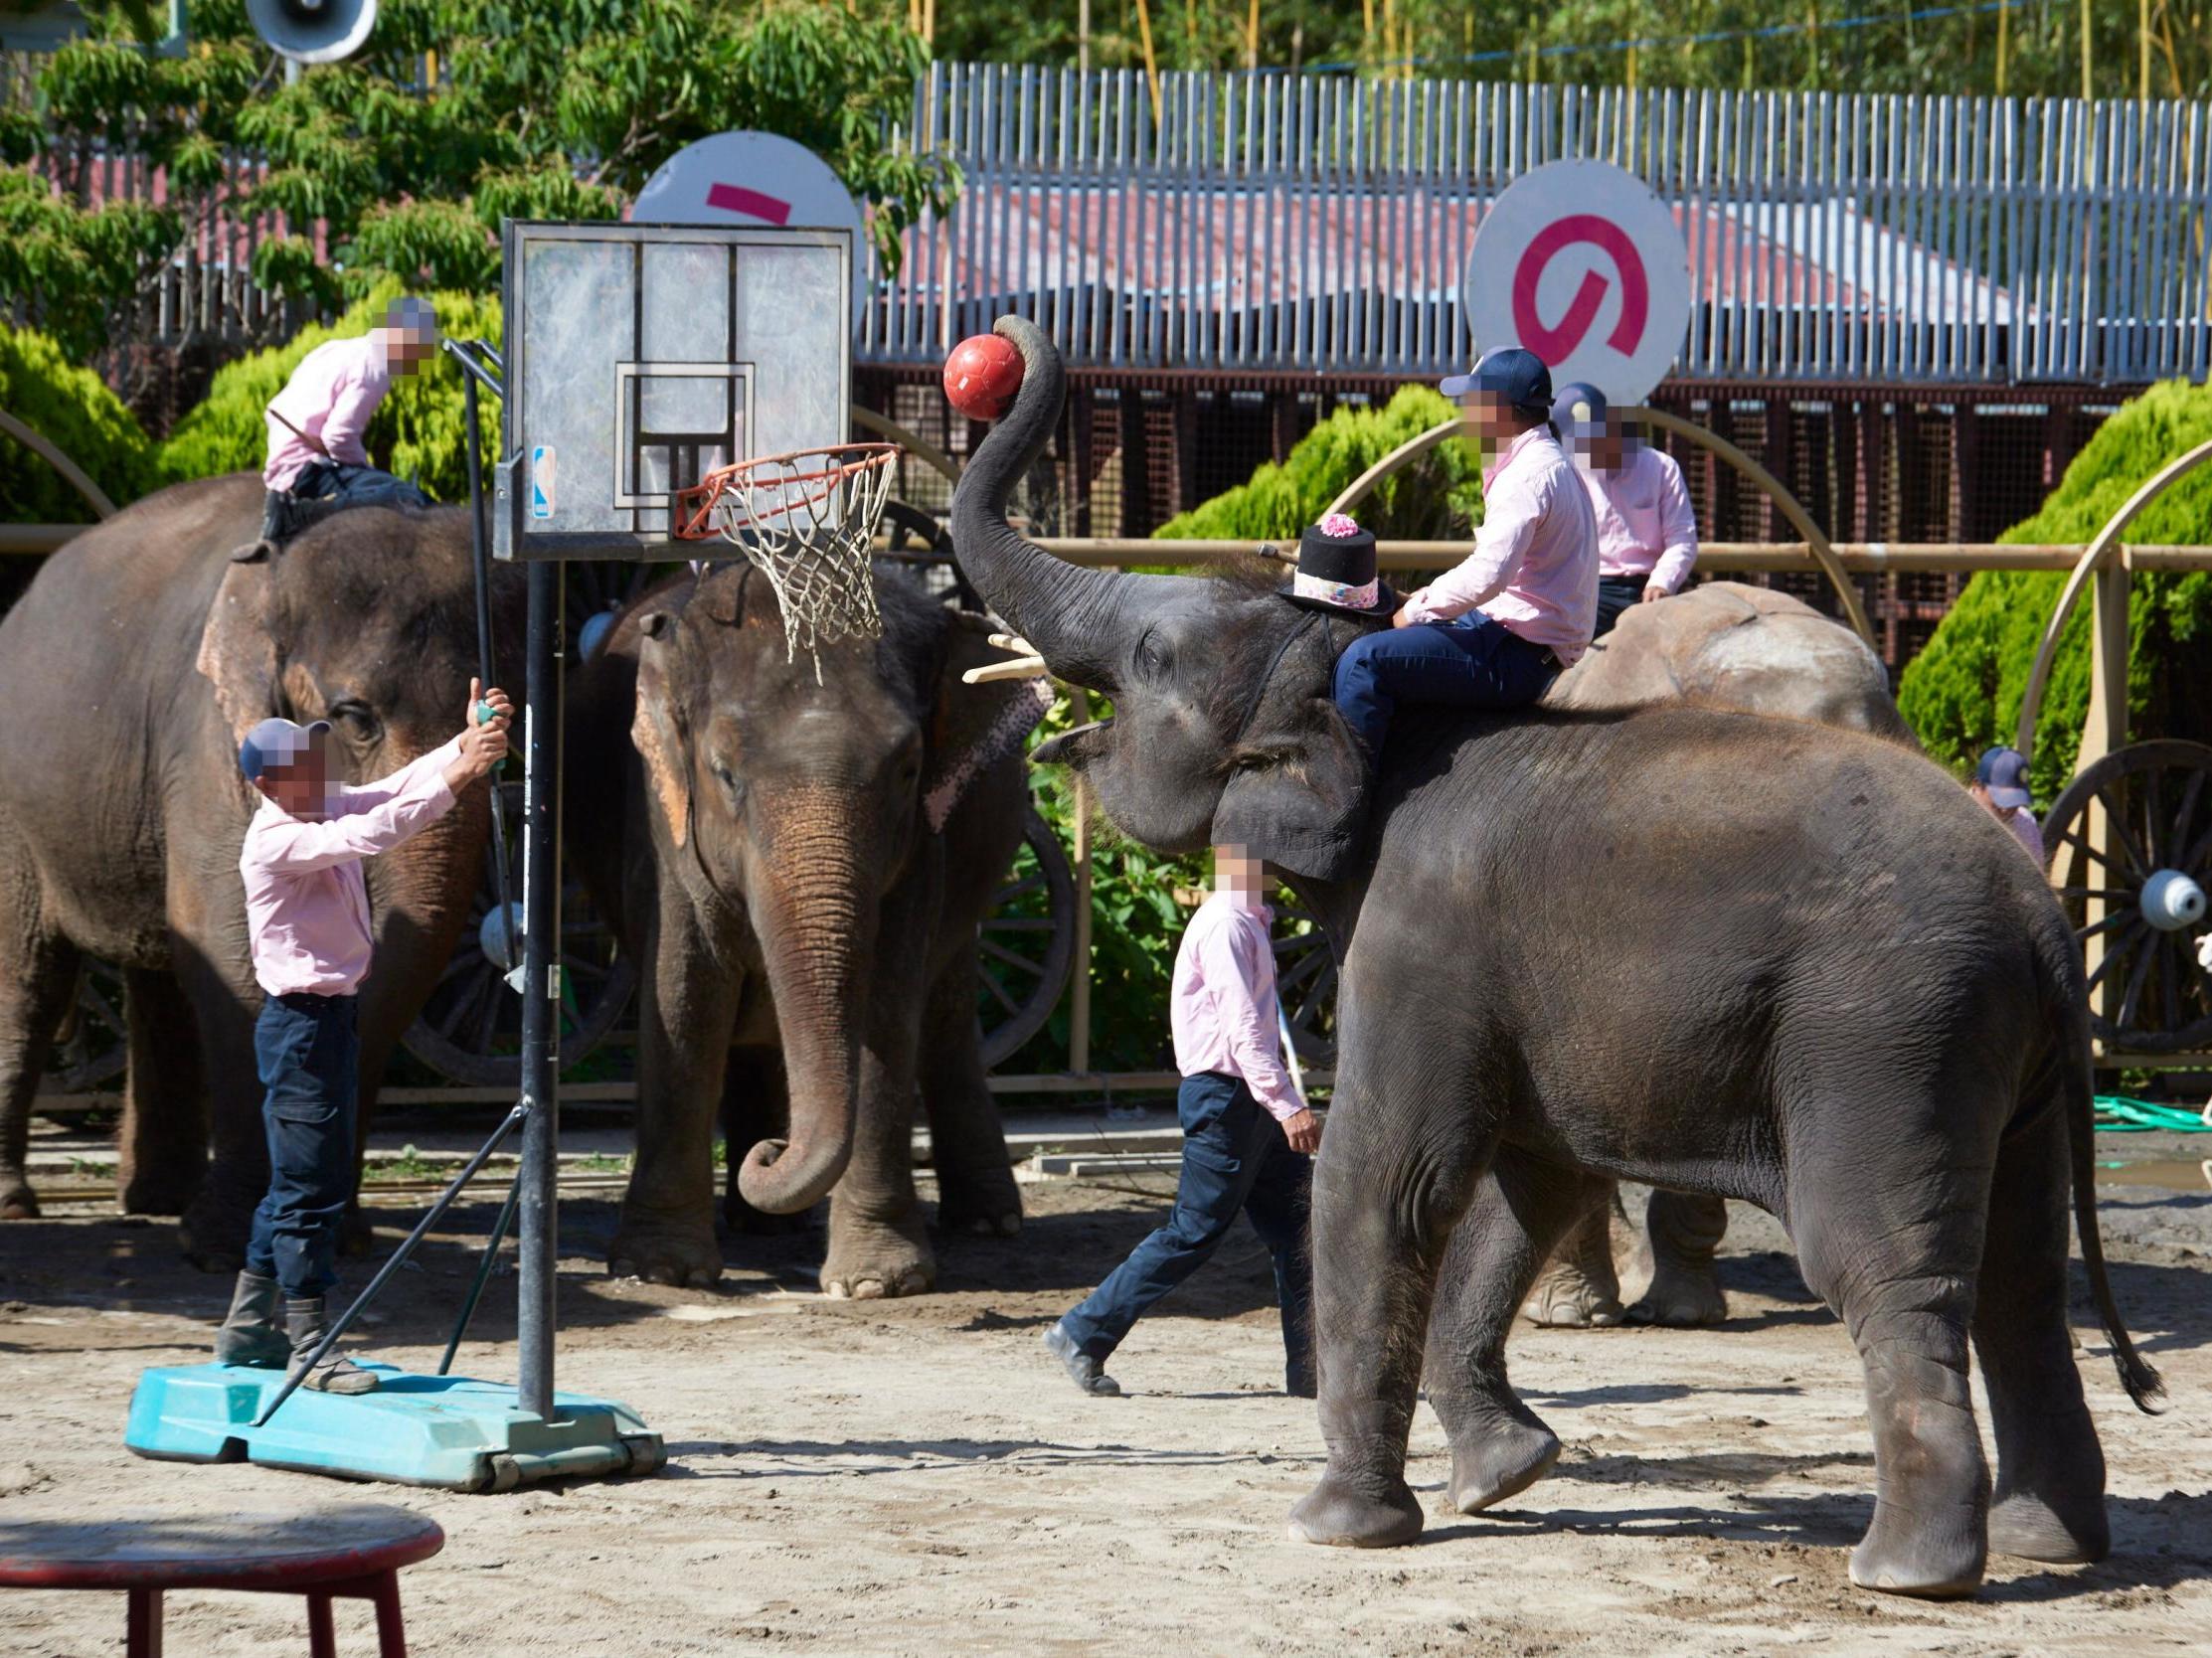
{"type": "Point", "coordinates": [813, 908]}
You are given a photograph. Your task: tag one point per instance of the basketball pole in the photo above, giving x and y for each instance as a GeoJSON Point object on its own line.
{"type": "Point", "coordinates": [541, 990]}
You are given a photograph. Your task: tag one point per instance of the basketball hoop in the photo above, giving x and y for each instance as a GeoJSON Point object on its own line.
{"type": "Point", "coordinates": [807, 520]}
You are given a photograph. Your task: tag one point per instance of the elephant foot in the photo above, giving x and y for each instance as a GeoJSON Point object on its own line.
{"type": "Point", "coordinates": [1339, 1517]}
{"type": "Point", "coordinates": [1682, 1298]}
{"type": "Point", "coordinates": [984, 1203]}
{"type": "Point", "coordinates": [874, 1261]}
{"type": "Point", "coordinates": [17, 1201]}
{"type": "Point", "coordinates": [1570, 1296]}
{"type": "Point", "coordinates": [1931, 1562]}
{"type": "Point", "coordinates": [2030, 1529]}
{"type": "Point", "coordinates": [160, 1188]}
{"type": "Point", "coordinates": [681, 1254]}
{"type": "Point", "coordinates": [213, 1234]}
{"type": "Point", "coordinates": [1504, 1460]}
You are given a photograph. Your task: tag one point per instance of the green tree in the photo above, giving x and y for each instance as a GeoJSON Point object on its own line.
{"type": "Point", "coordinates": [1964, 692]}
{"type": "Point", "coordinates": [404, 158]}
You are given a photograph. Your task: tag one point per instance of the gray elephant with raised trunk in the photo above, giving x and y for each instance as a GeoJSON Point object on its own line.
{"type": "Point", "coordinates": [128, 672]}
{"type": "Point", "coordinates": [1726, 645]}
{"type": "Point", "coordinates": [1758, 958]}
{"type": "Point", "coordinates": [797, 865]}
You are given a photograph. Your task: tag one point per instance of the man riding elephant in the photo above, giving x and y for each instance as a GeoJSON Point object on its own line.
{"type": "Point", "coordinates": [797, 865]}
{"type": "Point", "coordinates": [140, 658]}
{"type": "Point", "coordinates": [1711, 951]}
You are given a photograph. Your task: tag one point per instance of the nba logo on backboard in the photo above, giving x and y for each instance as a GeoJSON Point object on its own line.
{"type": "Point", "coordinates": [541, 481]}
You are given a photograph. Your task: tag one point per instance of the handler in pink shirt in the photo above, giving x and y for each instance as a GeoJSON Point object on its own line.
{"type": "Point", "coordinates": [1247, 1137]}
{"type": "Point", "coordinates": [1493, 632]}
{"type": "Point", "coordinates": [307, 921]}
{"type": "Point", "coordinates": [1646, 528]}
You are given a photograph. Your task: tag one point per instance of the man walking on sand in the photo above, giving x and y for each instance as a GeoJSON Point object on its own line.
{"type": "Point", "coordinates": [1247, 1138]}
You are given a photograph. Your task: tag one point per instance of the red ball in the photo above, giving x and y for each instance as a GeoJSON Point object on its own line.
{"type": "Point", "coordinates": [982, 375]}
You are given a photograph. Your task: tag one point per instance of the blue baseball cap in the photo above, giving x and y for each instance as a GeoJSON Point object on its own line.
{"type": "Point", "coordinates": [1578, 410]}
{"type": "Point", "coordinates": [275, 743]}
{"type": "Point", "coordinates": [2004, 773]}
{"type": "Point", "coordinates": [1508, 372]}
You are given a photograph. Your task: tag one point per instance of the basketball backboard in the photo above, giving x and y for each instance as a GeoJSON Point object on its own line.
{"type": "Point", "coordinates": [640, 356]}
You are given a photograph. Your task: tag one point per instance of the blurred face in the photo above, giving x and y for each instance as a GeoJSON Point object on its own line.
{"type": "Point", "coordinates": [299, 788]}
{"type": "Point", "coordinates": [1490, 419]}
{"type": "Point", "coordinates": [1237, 871]}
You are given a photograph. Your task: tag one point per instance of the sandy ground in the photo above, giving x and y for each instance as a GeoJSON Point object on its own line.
{"type": "Point", "coordinates": [911, 1477]}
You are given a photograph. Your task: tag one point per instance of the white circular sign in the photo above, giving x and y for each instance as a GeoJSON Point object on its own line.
{"type": "Point", "coordinates": [753, 178]}
{"type": "Point", "coordinates": [1580, 263]}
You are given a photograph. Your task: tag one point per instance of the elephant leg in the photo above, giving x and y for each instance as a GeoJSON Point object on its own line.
{"type": "Point", "coordinates": [1521, 1210]}
{"type": "Point", "coordinates": [1686, 1291]}
{"type": "Point", "coordinates": [1387, 1192]}
{"type": "Point", "coordinates": [162, 1144]}
{"type": "Point", "coordinates": [217, 1220]}
{"type": "Point", "coordinates": [879, 1244]}
{"type": "Point", "coordinates": [688, 1005]}
{"type": "Point", "coordinates": [38, 977]}
{"type": "Point", "coordinates": [1889, 1231]}
{"type": "Point", "coordinates": [976, 1192]}
{"type": "Point", "coordinates": [1577, 1290]}
{"type": "Point", "coordinates": [2049, 1503]}
{"type": "Point", "coordinates": [756, 1106]}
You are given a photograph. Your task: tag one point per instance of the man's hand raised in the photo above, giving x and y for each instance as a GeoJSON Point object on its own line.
{"type": "Point", "coordinates": [484, 745]}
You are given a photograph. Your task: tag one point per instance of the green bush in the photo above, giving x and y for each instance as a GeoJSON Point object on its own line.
{"type": "Point", "coordinates": [70, 408]}
{"type": "Point", "coordinates": [1438, 497]}
{"type": "Point", "coordinates": [417, 433]}
{"type": "Point", "coordinates": [1964, 691]}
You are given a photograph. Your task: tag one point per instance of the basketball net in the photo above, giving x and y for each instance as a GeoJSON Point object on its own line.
{"type": "Point", "coordinates": [807, 520]}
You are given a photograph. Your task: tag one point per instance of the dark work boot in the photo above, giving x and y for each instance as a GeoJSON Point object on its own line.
{"type": "Point", "coordinates": [249, 1334]}
{"type": "Point", "coordinates": [305, 1323]}
{"type": "Point", "coordinates": [1082, 1369]}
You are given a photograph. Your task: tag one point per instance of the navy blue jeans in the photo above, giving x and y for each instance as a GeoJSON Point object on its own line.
{"type": "Point", "coordinates": [1617, 593]}
{"type": "Point", "coordinates": [1235, 1160]}
{"type": "Point", "coordinates": [1468, 662]}
{"type": "Point", "coordinates": [327, 486]}
{"type": "Point", "coordinates": [307, 1049]}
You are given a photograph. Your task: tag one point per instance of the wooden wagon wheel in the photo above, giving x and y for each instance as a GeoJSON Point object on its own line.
{"type": "Point", "coordinates": [471, 1028]}
{"type": "Point", "coordinates": [2138, 906]}
{"type": "Point", "coordinates": [1025, 943]}
{"type": "Point", "coordinates": [1305, 981]}
{"type": "Point", "coordinates": [92, 1045]}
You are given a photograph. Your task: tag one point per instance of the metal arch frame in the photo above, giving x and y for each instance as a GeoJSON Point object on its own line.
{"type": "Point", "coordinates": [1791, 508]}
{"type": "Point", "coordinates": [2096, 557]}
{"type": "Point", "coordinates": [49, 453]}
{"type": "Point", "coordinates": [907, 439]}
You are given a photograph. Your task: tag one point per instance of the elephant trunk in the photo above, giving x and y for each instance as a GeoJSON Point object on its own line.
{"type": "Point", "coordinates": [814, 913]}
{"type": "Point", "coordinates": [1077, 619]}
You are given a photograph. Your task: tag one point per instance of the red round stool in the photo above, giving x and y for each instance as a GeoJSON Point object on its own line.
{"type": "Point", "coordinates": [355, 1550]}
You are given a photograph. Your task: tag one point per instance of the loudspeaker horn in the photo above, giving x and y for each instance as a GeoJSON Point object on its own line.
{"type": "Point", "coordinates": [313, 31]}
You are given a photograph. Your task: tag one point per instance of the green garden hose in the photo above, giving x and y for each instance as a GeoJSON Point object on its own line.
{"type": "Point", "coordinates": [2117, 1114]}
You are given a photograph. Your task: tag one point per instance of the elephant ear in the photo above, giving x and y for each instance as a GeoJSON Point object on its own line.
{"type": "Point", "coordinates": [656, 729]}
{"type": "Point", "coordinates": [1296, 797]}
{"type": "Point", "coordinates": [238, 648]}
{"type": "Point", "coordinates": [974, 727]}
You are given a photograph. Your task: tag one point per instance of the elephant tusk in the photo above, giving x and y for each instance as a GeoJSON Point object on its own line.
{"type": "Point", "coordinates": [1013, 642]}
{"type": "Point", "coordinates": [1019, 667]}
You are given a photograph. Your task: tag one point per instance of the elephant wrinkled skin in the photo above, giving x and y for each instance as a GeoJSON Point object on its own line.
{"type": "Point", "coordinates": [1751, 957]}
{"type": "Point", "coordinates": [806, 939]}
{"type": "Point", "coordinates": [129, 673]}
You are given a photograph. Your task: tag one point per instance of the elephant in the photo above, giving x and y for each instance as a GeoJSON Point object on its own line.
{"type": "Point", "coordinates": [798, 867]}
{"type": "Point", "coordinates": [140, 655]}
{"type": "Point", "coordinates": [1724, 644]}
{"type": "Point", "coordinates": [1720, 952]}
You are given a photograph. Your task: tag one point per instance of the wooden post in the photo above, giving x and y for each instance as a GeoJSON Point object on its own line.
{"type": "Point", "coordinates": [1078, 999]}
{"type": "Point", "coordinates": [2103, 731]}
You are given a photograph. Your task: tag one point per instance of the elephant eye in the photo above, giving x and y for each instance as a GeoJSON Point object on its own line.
{"type": "Point", "coordinates": [1151, 659]}
{"type": "Point", "coordinates": [728, 779]}
{"type": "Point", "coordinates": [357, 721]}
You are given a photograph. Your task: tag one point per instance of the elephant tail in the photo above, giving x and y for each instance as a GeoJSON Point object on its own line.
{"type": "Point", "coordinates": [2078, 1099]}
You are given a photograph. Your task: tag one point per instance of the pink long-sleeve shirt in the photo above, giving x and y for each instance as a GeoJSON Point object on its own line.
{"type": "Point", "coordinates": [1535, 562]}
{"type": "Point", "coordinates": [1645, 524]}
{"type": "Point", "coordinates": [330, 395]}
{"type": "Point", "coordinates": [1221, 1002]}
{"type": "Point", "coordinates": [306, 904]}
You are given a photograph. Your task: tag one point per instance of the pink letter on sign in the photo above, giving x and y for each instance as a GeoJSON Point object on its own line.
{"type": "Point", "coordinates": [1555, 345]}
{"type": "Point", "coordinates": [735, 198]}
